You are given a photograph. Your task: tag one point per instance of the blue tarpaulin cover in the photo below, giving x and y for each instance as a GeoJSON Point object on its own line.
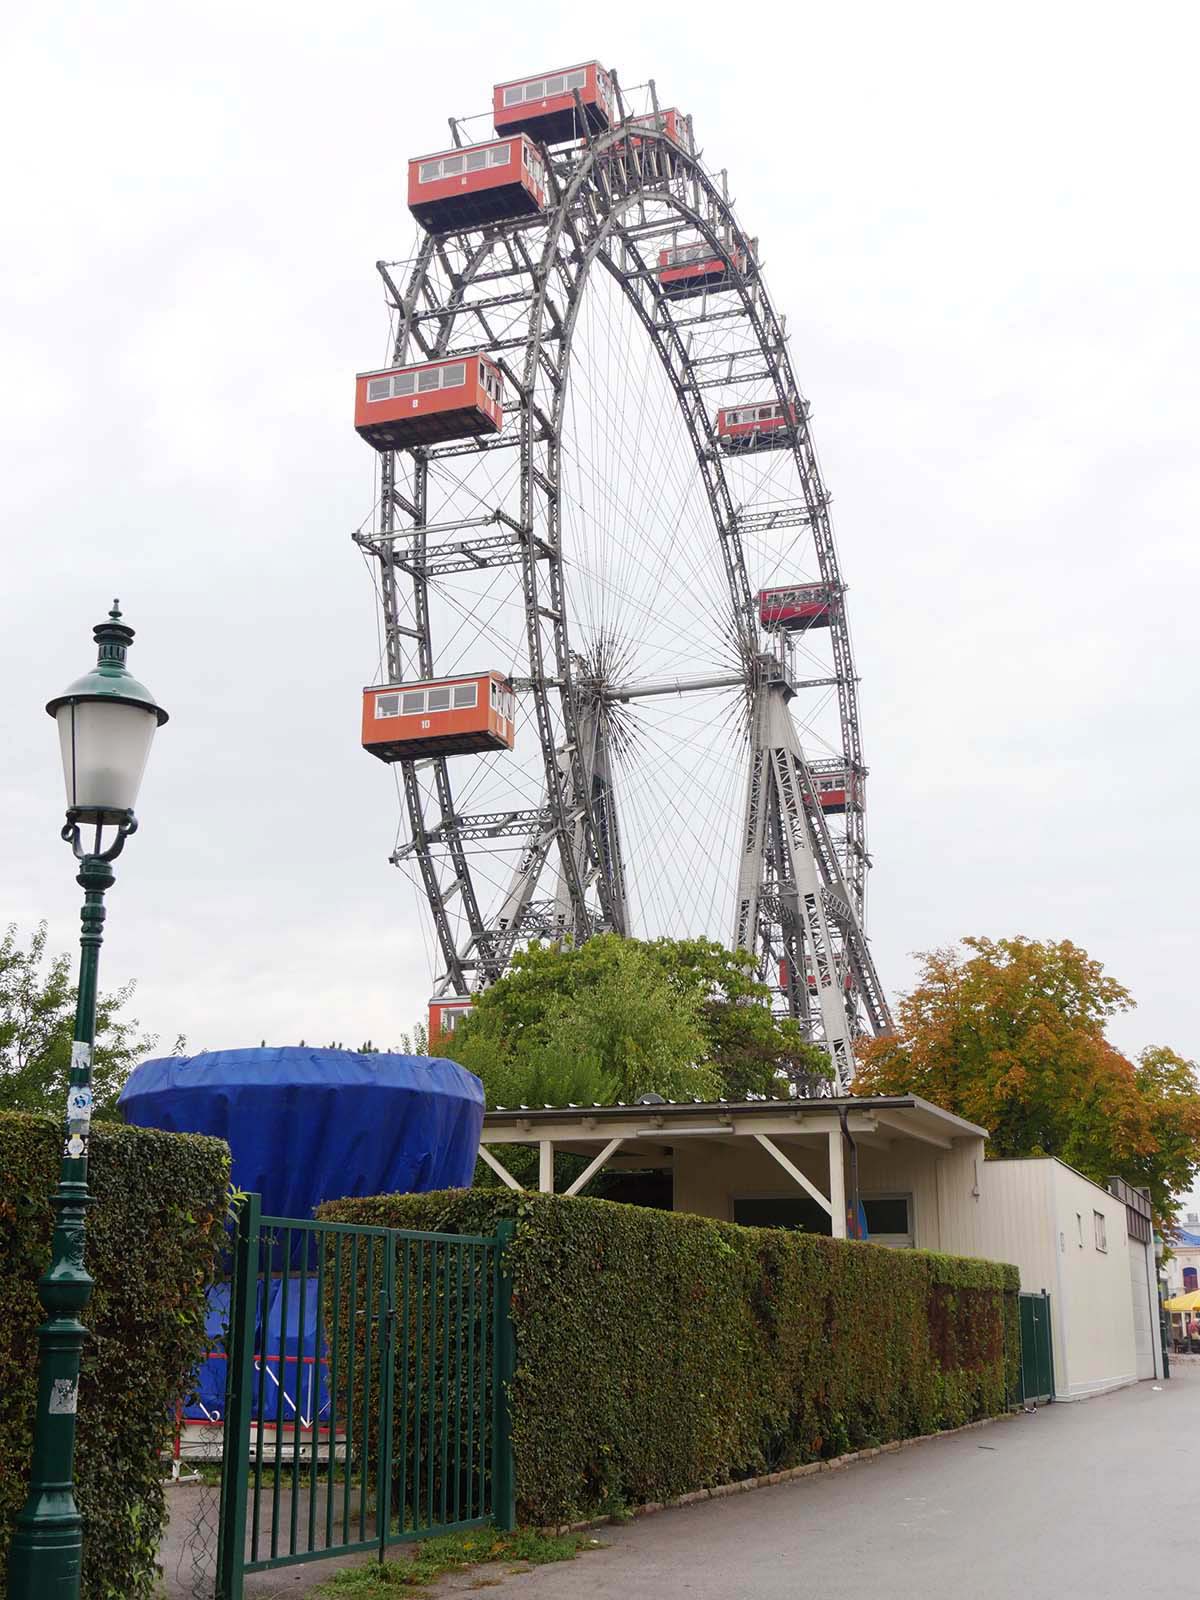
{"type": "Point", "coordinates": [311, 1125]}
{"type": "Point", "coordinates": [306, 1126]}
{"type": "Point", "coordinates": [296, 1361]}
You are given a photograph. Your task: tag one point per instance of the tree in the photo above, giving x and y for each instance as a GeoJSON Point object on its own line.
{"type": "Point", "coordinates": [37, 1025]}
{"type": "Point", "coordinates": [619, 1017]}
{"type": "Point", "coordinates": [753, 1051]}
{"type": "Point", "coordinates": [595, 1024]}
{"type": "Point", "coordinates": [415, 1043]}
{"type": "Point", "coordinates": [1011, 1036]}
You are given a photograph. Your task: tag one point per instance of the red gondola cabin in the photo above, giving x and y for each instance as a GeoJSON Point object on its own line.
{"type": "Point", "coordinates": [440, 717]}
{"type": "Point", "coordinates": [544, 107]}
{"type": "Point", "coordinates": [757, 427]}
{"type": "Point", "coordinates": [445, 1015]}
{"type": "Point", "coordinates": [838, 790]}
{"type": "Point", "coordinates": [484, 183]}
{"type": "Point", "coordinates": [671, 122]}
{"type": "Point", "coordinates": [796, 606]}
{"type": "Point", "coordinates": [696, 268]}
{"type": "Point", "coordinates": [430, 403]}
{"type": "Point", "coordinates": [810, 978]}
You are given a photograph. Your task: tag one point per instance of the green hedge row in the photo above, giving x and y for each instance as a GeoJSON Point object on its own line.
{"type": "Point", "coordinates": [659, 1352]}
{"type": "Point", "coordinates": [152, 1236]}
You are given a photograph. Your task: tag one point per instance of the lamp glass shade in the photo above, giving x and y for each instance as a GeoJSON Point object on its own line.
{"type": "Point", "coordinates": [105, 745]}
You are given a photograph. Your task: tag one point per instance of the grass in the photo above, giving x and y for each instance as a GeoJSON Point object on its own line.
{"type": "Point", "coordinates": [453, 1552]}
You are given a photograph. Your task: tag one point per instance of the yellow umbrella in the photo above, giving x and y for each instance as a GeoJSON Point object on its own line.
{"type": "Point", "coordinates": [1184, 1302]}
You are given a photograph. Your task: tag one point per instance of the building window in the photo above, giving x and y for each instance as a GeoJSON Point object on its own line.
{"type": "Point", "coordinates": [1079, 1227]}
{"type": "Point", "coordinates": [887, 1214]}
{"type": "Point", "coordinates": [797, 1212]}
{"type": "Point", "coordinates": [1101, 1225]}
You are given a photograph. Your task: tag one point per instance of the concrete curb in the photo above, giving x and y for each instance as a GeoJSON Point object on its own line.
{"type": "Point", "coordinates": [768, 1480]}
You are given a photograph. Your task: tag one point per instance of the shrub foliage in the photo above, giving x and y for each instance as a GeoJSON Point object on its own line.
{"type": "Point", "coordinates": [659, 1353]}
{"type": "Point", "coordinates": [152, 1235]}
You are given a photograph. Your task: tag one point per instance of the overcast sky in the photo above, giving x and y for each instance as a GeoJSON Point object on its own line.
{"type": "Point", "coordinates": [982, 225]}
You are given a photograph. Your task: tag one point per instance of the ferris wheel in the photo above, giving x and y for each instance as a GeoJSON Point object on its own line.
{"type": "Point", "coordinates": [615, 680]}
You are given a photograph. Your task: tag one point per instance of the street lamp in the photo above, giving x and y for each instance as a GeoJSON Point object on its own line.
{"type": "Point", "coordinates": [106, 722]}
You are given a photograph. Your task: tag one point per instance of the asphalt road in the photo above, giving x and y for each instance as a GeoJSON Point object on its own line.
{"type": "Point", "coordinates": [1090, 1501]}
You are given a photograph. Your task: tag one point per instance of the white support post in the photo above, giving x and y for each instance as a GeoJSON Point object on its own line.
{"type": "Point", "coordinates": [546, 1166]}
{"type": "Point", "coordinates": [793, 1171]}
{"type": "Point", "coordinates": [837, 1183]}
{"type": "Point", "coordinates": [590, 1171]}
{"type": "Point", "coordinates": [502, 1172]}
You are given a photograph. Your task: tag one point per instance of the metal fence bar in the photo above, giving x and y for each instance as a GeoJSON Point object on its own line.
{"type": "Point", "coordinates": [405, 1288]}
{"type": "Point", "coordinates": [418, 1386]}
{"type": "Point", "coordinates": [472, 1392]}
{"type": "Point", "coordinates": [504, 1503]}
{"type": "Point", "coordinates": [444, 1498]}
{"type": "Point", "coordinates": [431, 1449]}
{"type": "Point", "coordinates": [387, 1361]}
{"type": "Point", "coordinates": [351, 1322]}
{"type": "Point", "coordinates": [302, 1370]}
{"type": "Point", "coordinates": [239, 1381]}
{"type": "Point", "coordinates": [262, 1279]}
{"type": "Point", "coordinates": [369, 1315]}
{"type": "Point", "coordinates": [458, 1379]}
{"type": "Point", "coordinates": [318, 1368]}
{"type": "Point", "coordinates": [331, 1475]}
{"type": "Point", "coordinates": [280, 1382]}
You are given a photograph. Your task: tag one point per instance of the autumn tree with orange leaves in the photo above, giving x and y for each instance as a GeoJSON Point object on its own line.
{"type": "Point", "coordinates": [1009, 1033]}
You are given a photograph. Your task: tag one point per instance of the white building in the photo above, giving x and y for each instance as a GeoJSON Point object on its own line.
{"type": "Point", "coordinates": [1092, 1251]}
{"type": "Point", "coordinates": [919, 1176]}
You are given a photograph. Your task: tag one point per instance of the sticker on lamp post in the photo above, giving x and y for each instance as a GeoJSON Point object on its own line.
{"type": "Point", "coordinates": [64, 1393]}
{"type": "Point", "coordinates": [79, 1108]}
{"type": "Point", "coordinates": [81, 1056]}
{"type": "Point", "coordinates": [79, 1118]}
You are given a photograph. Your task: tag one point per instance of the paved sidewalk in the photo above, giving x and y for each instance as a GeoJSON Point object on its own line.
{"type": "Point", "coordinates": [1090, 1501]}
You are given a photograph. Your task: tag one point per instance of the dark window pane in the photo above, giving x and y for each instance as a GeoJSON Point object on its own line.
{"type": "Point", "coordinates": [802, 1214]}
{"type": "Point", "coordinates": [887, 1216]}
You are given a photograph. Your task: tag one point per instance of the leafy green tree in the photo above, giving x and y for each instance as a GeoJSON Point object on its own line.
{"type": "Point", "coordinates": [753, 1052]}
{"type": "Point", "coordinates": [596, 1024]}
{"type": "Point", "coordinates": [1011, 1036]}
{"type": "Point", "coordinates": [37, 1024]}
{"type": "Point", "coordinates": [415, 1043]}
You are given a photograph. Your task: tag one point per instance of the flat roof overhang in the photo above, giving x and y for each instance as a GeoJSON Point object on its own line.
{"type": "Point", "coordinates": [648, 1127]}
{"type": "Point", "coordinates": [648, 1134]}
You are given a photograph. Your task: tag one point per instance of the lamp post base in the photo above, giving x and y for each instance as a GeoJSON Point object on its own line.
{"type": "Point", "coordinates": [47, 1548]}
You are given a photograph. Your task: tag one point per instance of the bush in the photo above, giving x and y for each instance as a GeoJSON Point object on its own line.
{"type": "Point", "coordinates": [152, 1235]}
{"type": "Point", "coordinates": [659, 1352]}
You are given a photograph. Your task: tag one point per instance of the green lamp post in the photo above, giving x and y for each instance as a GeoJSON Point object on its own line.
{"type": "Point", "coordinates": [106, 723]}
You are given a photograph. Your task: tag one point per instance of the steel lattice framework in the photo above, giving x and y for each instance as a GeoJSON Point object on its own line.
{"type": "Point", "coordinates": [516, 290]}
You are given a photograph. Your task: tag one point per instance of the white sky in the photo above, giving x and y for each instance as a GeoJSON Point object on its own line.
{"type": "Point", "coordinates": [982, 227]}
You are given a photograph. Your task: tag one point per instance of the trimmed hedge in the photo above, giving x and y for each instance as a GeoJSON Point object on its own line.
{"type": "Point", "coordinates": [659, 1352]}
{"type": "Point", "coordinates": [152, 1238]}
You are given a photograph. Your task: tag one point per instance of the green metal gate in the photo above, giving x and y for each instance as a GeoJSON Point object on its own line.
{"type": "Point", "coordinates": [1037, 1354]}
{"type": "Point", "coordinates": [367, 1391]}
